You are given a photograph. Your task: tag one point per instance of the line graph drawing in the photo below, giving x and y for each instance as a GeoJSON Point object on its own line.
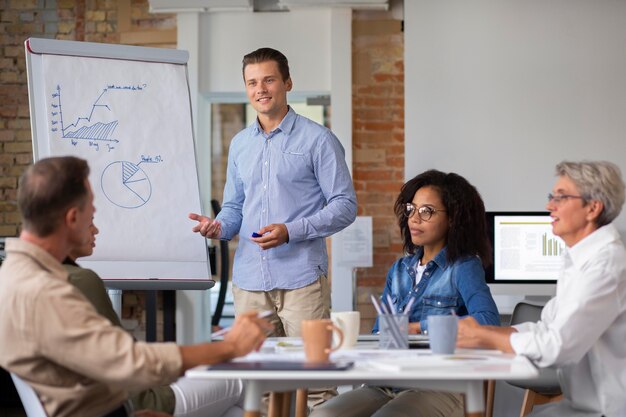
{"type": "Point", "coordinates": [96, 125]}
{"type": "Point", "coordinates": [83, 128]}
{"type": "Point", "coordinates": [97, 131]}
{"type": "Point", "coordinates": [126, 184]}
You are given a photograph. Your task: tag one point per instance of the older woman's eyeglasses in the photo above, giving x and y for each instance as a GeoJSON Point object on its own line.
{"type": "Point", "coordinates": [423, 212]}
{"type": "Point", "coordinates": [558, 198]}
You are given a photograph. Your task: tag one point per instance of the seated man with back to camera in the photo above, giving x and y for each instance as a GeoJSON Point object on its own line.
{"type": "Point", "coordinates": [77, 361]}
{"type": "Point", "coordinates": [582, 331]}
{"type": "Point", "coordinates": [186, 397]}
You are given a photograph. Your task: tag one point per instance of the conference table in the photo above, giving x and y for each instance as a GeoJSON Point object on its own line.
{"type": "Point", "coordinates": [463, 372]}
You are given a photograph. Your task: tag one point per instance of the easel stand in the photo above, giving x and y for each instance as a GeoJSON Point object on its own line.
{"type": "Point", "coordinates": [152, 288]}
{"type": "Point", "coordinates": [169, 315]}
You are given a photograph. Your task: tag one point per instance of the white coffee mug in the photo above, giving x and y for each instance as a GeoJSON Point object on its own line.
{"type": "Point", "coordinates": [350, 323]}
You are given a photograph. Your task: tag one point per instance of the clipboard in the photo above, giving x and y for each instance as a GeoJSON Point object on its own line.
{"type": "Point", "coordinates": [281, 366]}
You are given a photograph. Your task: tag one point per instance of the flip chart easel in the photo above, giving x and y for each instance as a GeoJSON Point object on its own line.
{"type": "Point", "coordinates": [127, 111]}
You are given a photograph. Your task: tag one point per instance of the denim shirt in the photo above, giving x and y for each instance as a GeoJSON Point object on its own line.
{"type": "Point", "coordinates": [460, 286]}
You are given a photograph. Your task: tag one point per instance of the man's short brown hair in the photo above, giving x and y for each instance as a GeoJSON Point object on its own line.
{"type": "Point", "coordinates": [264, 55]}
{"type": "Point", "coordinates": [47, 189]}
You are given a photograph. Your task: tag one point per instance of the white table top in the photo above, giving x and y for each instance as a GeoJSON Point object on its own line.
{"type": "Point", "coordinates": [372, 364]}
{"type": "Point", "coordinates": [463, 372]}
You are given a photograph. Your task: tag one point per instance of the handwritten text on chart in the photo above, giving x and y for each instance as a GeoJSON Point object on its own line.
{"type": "Point", "coordinates": [127, 87]}
{"type": "Point", "coordinates": [151, 159]}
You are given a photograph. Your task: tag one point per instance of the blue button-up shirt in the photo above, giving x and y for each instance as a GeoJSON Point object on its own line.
{"type": "Point", "coordinates": [444, 287]}
{"type": "Point", "coordinates": [296, 175]}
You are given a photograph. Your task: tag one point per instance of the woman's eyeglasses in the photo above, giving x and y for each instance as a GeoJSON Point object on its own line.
{"type": "Point", "coordinates": [424, 212]}
{"type": "Point", "coordinates": [558, 198]}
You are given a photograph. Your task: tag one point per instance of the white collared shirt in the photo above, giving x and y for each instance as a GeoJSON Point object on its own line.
{"type": "Point", "coordinates": [582, 330]}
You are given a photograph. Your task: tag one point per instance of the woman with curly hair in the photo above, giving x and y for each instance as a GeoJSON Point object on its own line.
{"type": "Point", "coordinates": [442, 223]}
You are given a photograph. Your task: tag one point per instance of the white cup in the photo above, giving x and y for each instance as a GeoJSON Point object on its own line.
{"type": "Point", "coordinates": [350, 324]}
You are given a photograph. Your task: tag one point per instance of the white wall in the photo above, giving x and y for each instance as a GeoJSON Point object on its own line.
{"type": "Point", "coordinates": [317, 42]}
{"type": "Point", "coordinates": [303, 36]}
{"type": "Point", "coordinates": [500, 91]}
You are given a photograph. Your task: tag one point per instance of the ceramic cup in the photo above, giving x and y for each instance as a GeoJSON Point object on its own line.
{"type": "Point", "coordinates": [442, 334]}
{"type": "Point", "coordinates": [350, 324]}
{"type": "Point", "coordinates": [317, 337]}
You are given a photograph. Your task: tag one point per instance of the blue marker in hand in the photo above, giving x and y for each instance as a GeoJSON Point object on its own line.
{"type": "Point", "coordinates": [255, 234]}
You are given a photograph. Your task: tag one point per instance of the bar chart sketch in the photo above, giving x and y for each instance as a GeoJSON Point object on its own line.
{"type": "Point", "coordinates": [126, 185]}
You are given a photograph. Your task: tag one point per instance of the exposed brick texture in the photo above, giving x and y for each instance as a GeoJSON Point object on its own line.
{"type": "Point", "coordinates": [82, 20]}
{"type": "Point", "coordinates": [378, 145]}
{"type": "Point", "coordinates": [378, 118]}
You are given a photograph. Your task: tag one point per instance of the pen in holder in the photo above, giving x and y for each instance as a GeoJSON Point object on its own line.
{"type": "Point", "coordinates": [394, 328]}
{"type": "Point", "coordinates": [394, 331]}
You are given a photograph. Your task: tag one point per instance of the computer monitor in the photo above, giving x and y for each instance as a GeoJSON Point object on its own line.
{"type": "Point", "coordinates": [527, 257]}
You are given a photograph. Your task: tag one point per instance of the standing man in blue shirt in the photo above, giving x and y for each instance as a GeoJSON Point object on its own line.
{"type": "Point", "coordinates": [287, 188]}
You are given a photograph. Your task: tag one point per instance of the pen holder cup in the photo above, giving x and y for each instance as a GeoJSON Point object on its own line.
{"type": "Point", "coordinates": [394, 331]}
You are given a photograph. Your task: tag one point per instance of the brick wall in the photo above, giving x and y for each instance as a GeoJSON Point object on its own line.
{"type": "Point", "coordinates": [378, 104]}
{"type": "Point", "coordinates": [83, 20]}
{"type": "Point", "coordinates": [18, 21]}
{"type": "Point", "coordinates": [110, 21]}
{"type": "Point", "coordinates": [378, 145]}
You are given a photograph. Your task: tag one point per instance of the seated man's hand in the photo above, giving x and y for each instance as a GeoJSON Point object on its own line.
{"type": "Point", "coordinates": [248, 333]}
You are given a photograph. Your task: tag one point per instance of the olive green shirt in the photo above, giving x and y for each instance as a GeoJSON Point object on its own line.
{"type": "Point", "coordinates": [159, 398]}
{"type": "Point", "coordinates": [77, 362]}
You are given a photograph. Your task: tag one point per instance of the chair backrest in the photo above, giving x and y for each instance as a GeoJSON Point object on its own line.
{"type": "Point", "coordinates": [524, 312]}
{"type": "Point", "coordinates": [30, 401]}
{"type": "Point", "coordinates": [548, 382]}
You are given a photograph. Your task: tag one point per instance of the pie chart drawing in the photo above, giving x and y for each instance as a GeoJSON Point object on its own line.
{"type": "Point", "coordinates": [125, 184]}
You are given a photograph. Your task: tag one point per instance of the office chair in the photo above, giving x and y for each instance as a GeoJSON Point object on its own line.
{"type": "Point", "coordinates": [542, 390]}
{"type": "Point", "coordinates": [28, 396]}
{"type": "Point", "coordinates": [546, 388]}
